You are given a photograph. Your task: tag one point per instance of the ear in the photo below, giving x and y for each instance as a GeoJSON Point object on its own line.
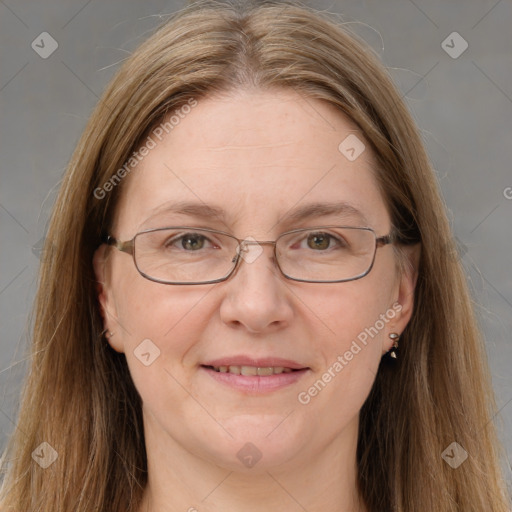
{"type": "Point", "coordinates": [105, 295]}
{"type": "Point", "coordinates": [403, 302]}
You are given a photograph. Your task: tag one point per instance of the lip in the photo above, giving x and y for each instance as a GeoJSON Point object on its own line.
{"type": "Point", "coordinates": [255, 384]}
{"type": "Point", "coordinates": [243, 360]}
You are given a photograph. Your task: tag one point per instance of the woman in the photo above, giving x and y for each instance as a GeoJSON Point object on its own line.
{"type": "Point", "coordinates": [248, 299]}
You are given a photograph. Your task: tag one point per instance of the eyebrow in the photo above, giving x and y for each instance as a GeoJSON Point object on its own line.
{"type": "Point", "coordinates": [311, 210]}
{"type": "Point", "coordinates": [318, 209]}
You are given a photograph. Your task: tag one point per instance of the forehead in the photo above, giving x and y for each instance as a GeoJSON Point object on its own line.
{"type": "Point", "coordinates": [256, 158]}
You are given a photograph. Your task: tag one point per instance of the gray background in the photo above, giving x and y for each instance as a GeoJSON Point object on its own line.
{"type": "Point", "coordinates": [462, 105]}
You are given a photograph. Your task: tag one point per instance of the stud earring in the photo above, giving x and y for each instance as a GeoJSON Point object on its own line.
{"type": "Point", "coordinates": [108, 334]}
{"type": "Point", "coordinates": [393, 351]}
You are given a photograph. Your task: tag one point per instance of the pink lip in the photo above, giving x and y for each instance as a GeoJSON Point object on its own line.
{"type": "Point", "coordinates": [256, 384]}
{"type": "Point", "coordinates": [265, 362]}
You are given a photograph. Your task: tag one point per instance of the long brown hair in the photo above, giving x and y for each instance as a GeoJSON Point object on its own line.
{"type": "Point", "coordinates": [79, 396]}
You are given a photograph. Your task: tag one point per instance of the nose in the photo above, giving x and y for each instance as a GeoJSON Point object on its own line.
{"type": "Point", "coordinates": [255, 296]}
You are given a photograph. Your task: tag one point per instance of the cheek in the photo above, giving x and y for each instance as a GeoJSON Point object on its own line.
{"type": "Point", "coordinates": [173, 319]}
{"type": "Point", "coordinates": [349, 310]}
{"type": "Point", "coordinates": [162, 321]}
{"type": "Point", "coordinates": [356, 316]}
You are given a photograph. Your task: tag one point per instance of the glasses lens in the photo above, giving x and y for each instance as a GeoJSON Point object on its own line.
{"type": "Point", "coordinates": [189, 255]}
{"type": "Point", "coordinates": [327, 253]}
{"type": "Point", "coordinates": [184, 255]}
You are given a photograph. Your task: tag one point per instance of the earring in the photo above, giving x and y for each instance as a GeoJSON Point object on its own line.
{"type": "Point", "coordinates": [108, 334]}
{"type": "Point", "coordinates": [393, 351]}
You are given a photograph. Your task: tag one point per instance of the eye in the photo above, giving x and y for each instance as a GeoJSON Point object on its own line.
{"type": "Point", "coordinates": [189, 241]}
{"type": "Point", "coordinates": [322, 241]}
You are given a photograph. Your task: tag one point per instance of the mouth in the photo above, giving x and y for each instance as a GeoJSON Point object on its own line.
{"type": "Point", "coordinates": [261, 371]}
{"type": "Point", "coordinates": [251, 376]}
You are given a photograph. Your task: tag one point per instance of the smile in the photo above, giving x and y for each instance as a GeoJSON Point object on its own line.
{"type": "Point", "coordinates": [255, 380]}
{"type": "Point", "coordinates": [252, 370]}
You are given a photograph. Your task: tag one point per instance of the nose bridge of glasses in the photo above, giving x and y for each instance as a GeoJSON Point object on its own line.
{"type": "Point", "coordinates": [245, 242]}
{"type": "Point", "coordinates": [243, 245]}
{"type": "Point", "coordinates": [243, 252]}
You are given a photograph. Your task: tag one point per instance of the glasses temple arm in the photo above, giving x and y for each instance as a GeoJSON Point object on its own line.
{"type": "Point", "coordinates": [121, 246]}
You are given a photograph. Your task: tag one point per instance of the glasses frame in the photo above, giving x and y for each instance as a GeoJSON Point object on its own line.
{"type": "Point", "coordinates": [128, 247]}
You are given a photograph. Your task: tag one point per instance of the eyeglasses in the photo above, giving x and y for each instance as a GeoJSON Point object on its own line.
{"type": "Point", "coordinates": [189, 255]}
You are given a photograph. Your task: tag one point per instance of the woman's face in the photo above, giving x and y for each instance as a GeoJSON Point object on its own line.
{"type": "Point", "coordinates": [258, 156]}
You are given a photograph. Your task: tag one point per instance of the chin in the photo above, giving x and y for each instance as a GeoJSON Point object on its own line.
{"type": "Point", "coordinates": [259, 443]}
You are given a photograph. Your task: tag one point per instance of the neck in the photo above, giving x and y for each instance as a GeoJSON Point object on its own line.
{"type": "Point", "coordinates": [181, 481]}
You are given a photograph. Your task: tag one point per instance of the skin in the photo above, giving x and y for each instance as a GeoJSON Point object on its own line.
{"type": "Point", "coordinates": [257, 155]}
